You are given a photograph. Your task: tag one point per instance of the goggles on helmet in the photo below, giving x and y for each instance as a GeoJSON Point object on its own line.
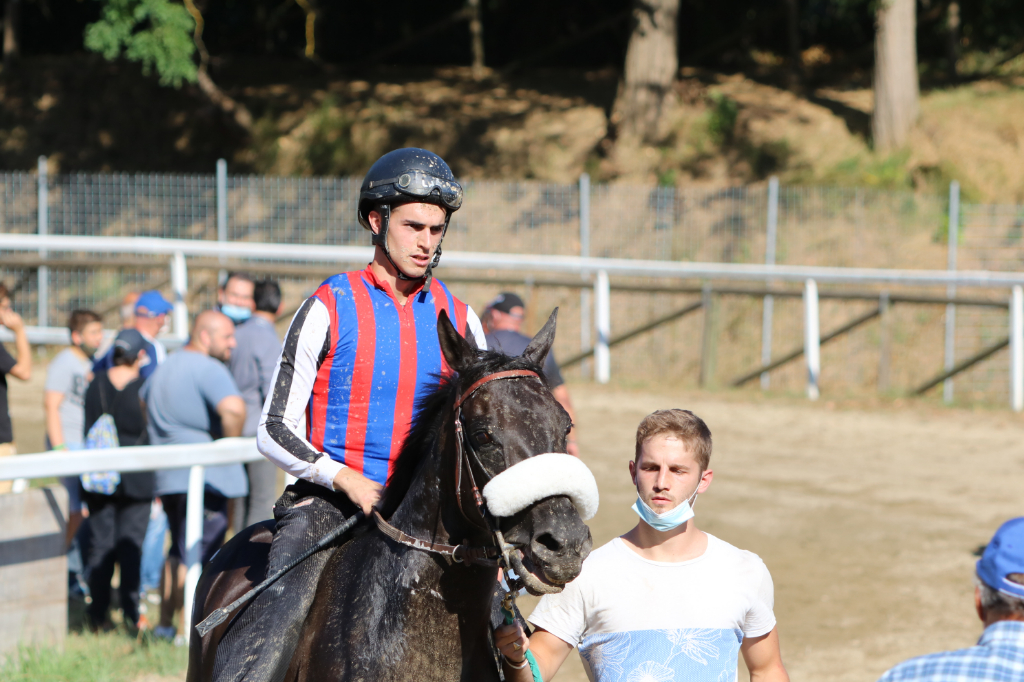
{"type": "Point", "coordinates": [420, 184]}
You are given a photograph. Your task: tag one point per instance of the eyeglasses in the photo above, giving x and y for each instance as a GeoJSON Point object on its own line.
{"type": "Point", "coordinates": [420, 184]}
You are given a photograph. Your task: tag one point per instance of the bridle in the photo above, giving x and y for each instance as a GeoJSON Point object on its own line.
{"type": "Point", "coordinates": [482, 556]}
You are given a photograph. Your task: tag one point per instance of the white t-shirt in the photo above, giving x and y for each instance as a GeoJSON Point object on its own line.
{"type": "Point", "coordinates": [637, 620]}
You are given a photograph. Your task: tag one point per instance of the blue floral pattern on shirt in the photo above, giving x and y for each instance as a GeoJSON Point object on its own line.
{"type": "Point", "coordinates": [692, 654]}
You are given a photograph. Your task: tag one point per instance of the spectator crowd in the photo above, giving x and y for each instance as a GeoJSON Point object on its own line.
{"type": "Point", "coordinates": [130, 391]}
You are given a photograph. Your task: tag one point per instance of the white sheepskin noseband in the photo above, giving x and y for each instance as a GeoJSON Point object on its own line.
{"type": "Point", "coordinates": [541, 476]}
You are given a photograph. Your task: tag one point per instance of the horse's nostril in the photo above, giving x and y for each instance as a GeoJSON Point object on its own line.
{"type": "Point", "coordinates": [548, 541]}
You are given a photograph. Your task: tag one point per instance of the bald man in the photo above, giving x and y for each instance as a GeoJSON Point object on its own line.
{"type": "Point", "coordinates": [192, 398]}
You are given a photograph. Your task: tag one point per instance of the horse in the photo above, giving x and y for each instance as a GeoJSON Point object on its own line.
{"type": "Point", "coordinates": [410, 596]}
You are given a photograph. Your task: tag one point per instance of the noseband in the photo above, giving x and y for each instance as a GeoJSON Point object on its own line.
{"type": "Point", "coordinates": [486, 556]}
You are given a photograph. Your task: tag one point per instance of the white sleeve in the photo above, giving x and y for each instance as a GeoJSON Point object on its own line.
{"type": "Point", "coordinates": [474, 327]}
{"type": "Point", "coordinates": [563, 614]}
{"type": "Point", "coordinates": [281, 433]}
{"type": "Point", "coordinates": [760, 618]}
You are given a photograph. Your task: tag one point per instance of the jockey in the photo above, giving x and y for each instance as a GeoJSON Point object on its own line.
{"type": "Point", "coordinates": [358, 355]}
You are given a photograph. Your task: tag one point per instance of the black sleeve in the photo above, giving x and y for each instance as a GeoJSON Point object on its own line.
{"type": "Point", "coordinates": [551, 371]}
{"type": "Point", "coordinates": [7, 361]}
{"type": "Point", "coordinates": [93, 404]}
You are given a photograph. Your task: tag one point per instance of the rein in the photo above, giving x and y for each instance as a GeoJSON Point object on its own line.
{"type": "Point", "coordinates": [481, 556]}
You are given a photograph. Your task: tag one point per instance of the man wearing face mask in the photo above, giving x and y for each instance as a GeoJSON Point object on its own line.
{"type": "Point", "coordinates": [236, 298]}
{"type": "Point", "coordinates": [665, 601]}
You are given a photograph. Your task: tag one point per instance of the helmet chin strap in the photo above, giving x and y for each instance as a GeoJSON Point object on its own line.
{"type": "Point", "coordinates": [381, 239]}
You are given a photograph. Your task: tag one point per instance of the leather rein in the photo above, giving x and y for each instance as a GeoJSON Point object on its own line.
{"type": "Point", "coordinates": [481, 556]}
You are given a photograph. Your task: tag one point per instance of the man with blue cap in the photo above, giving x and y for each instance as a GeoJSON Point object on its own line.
{"type": "Point", "coordinates": [999, 599]}
{"type": "Point", "coordinates": [151, 311]}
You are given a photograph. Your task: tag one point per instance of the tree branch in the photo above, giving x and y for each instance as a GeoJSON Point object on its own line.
{"type": "Point", "coordinates": [238, 111]}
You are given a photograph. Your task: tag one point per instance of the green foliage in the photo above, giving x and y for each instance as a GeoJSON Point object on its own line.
{"type": "Point", "coordinates": [722, 118]}
{"type": "Point", "coordinates": [155, 33]}
{"type": "Point", "coordinates": [111, 657]}
{"type": "Point", "coordinates": [886, 172]}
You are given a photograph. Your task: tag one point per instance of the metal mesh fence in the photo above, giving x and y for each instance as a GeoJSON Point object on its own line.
{"type": "Point", "coordinates": [816, 226]}
{"type": "Point", "coordinates": [990, 239]}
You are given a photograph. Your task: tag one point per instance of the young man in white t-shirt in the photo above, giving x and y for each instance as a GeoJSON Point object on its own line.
{"type": "Point", "coordinates": [666, 601]}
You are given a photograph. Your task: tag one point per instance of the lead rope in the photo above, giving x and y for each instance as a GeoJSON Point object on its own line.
{"type": "Point", "coordinates": [508, 610]}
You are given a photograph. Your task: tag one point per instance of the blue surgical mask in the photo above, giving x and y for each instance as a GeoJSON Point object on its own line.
{"type": "Point", "coordinates": [666, 521]}
{"type": "Point", "coordinates": [236, 313]}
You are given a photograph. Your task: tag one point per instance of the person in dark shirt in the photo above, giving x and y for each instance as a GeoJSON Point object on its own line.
{"type": "Point", "coordinates": [502, 320]}
{"type": "Point", "coordinates": [19, 368]}
{"type": "Point", "coordinates": [118, 521]}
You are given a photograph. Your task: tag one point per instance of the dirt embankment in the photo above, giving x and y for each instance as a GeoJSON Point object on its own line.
{"type": "Point", "coordinates": [87, 114]}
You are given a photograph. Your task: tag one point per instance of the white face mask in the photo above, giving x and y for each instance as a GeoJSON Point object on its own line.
{"type": "Point", "coordinates": [669, 520]}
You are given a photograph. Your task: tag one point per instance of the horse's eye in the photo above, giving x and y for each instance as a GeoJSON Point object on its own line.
{"type": "Point", "coordinates": [482, 438]}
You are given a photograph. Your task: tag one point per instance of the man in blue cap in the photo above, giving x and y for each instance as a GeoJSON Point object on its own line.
{"type": "Point", "coordinates": [151, 311]}
{"type": "Point", "coordinates": [999, 599]}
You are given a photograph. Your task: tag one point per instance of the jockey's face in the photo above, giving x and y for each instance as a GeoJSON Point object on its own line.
{"type": "Point", "coordinates": [414, 232]}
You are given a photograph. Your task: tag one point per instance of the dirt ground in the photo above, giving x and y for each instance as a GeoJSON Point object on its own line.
{"type": "Point", "coordinates": [867, 517]}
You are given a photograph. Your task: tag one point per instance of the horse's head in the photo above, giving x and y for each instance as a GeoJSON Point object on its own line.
{"type": "Point", "coordinates": [507, 427]}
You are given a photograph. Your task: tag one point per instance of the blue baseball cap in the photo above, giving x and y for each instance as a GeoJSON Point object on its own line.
{"type": "Point", "coordinates": [152, 304]}
{"type": "Point", "coordinates": [1004, 555]}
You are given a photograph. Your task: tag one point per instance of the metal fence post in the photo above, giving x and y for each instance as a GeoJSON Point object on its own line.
{"type": "Point", "coordinates": [193, 541]}
{"type": "Point", "coordinates": [812, 338]}
{"type": "Point", "coordinates": [43, 274]}
{"type": "Point", "coordinates": [179, 284]}
{"type": "Point", "coordinates": [222, 211]}
{"type": "Point", "coordinates": [954, 230]}
{"type": "Point", "coordinates": [586, 323]}
{"type": "Point", "coordinates": [884, 342]}
{"type": "Point", "coordinates": [602, 313]}
{"type": "Point", "coordinates": [707, 343]}
{"type": "Point", "coordinates": [1017, 348]}
{"type": "Point", "coordinates": [769, 259]}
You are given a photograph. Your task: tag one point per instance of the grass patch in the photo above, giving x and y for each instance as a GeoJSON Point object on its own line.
{"type": "Point", "coordinates": [110, 657]}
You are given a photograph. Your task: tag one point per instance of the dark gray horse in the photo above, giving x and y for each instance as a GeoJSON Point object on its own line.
{"type": "Point", "coordinates": [388, 610]}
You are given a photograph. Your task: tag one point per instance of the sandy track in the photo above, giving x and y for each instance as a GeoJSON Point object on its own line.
{"type": "Point", "coordinates": [866, 517]}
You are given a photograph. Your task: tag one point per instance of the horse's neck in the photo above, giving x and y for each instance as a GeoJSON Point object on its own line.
{"type": "Point", "coordinates": [426, 512]}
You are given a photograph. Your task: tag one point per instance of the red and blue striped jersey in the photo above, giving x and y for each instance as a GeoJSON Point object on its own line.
{"type": "Point", "coordinates": [381, 358]}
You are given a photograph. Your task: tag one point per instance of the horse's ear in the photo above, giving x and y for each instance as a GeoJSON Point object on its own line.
{"type": "Point", "coordinates": [539, 348]}
{"type": "Point", "coordinates": [456, 350]}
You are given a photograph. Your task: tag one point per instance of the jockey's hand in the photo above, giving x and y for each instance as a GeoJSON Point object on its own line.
{"type": "Point", "coordinates": [363, 492]}
{"type": "Point", "coordinates": [507, 637]}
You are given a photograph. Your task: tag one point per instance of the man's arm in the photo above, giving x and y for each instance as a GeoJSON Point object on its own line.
{"type": "Point", "coordinates": [51, 405]}
{"type": "Point", "coordinates": [764, 658]}
{"type": "Point", "coordinates": [22, 369]}
{"type": "Point", "coordinates": [232, 415]}
{"type": "Point", "coordinates": [549, 651]}
{"type": "Point", "coordinates": [561, 394]}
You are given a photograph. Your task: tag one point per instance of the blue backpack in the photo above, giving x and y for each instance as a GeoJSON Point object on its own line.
{"type": "Point", "coordinates": [102, 434]}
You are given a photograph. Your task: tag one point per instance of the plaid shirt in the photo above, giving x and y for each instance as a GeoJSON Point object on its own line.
{"type": "Point", "coordinates": [998, 657]}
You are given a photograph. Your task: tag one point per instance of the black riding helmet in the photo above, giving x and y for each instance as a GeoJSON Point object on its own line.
{"type": "Point", "coordinates": [404, 176]}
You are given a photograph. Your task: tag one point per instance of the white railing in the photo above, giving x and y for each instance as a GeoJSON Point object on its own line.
{"type": "Point", "coordinates": [598, 268]}
{"type": "Point", "coordinates": [147, 458]}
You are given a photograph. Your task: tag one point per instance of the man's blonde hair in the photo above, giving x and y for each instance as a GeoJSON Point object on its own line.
{"type": "Point", "coordinates": [684, 425]}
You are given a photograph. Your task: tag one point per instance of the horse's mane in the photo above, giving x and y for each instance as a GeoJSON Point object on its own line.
{"type": "Point", "coordinates": [429, 418]}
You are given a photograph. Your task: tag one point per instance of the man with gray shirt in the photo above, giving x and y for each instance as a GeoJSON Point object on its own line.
{"type": "Point", "coordinates": [192, 398]}
{"type": "Point", "coordinates": [252, 365]}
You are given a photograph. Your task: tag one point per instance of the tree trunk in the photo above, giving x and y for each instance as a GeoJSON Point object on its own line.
{"type": "Point", "coordinates": [476, 32]}
{"type": "Point", "coordinates": [796, 66]}
{"type": "Point", "coordinates": [953, 37]}
{"type": "Point", "coordinates": [651, 66]}
{"type": "Point", "coordinates": [233, 108]}
{"type": "Point", "coordinates": [12, 49]}
{"type": "Point", "coordinates": [896, 86]}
